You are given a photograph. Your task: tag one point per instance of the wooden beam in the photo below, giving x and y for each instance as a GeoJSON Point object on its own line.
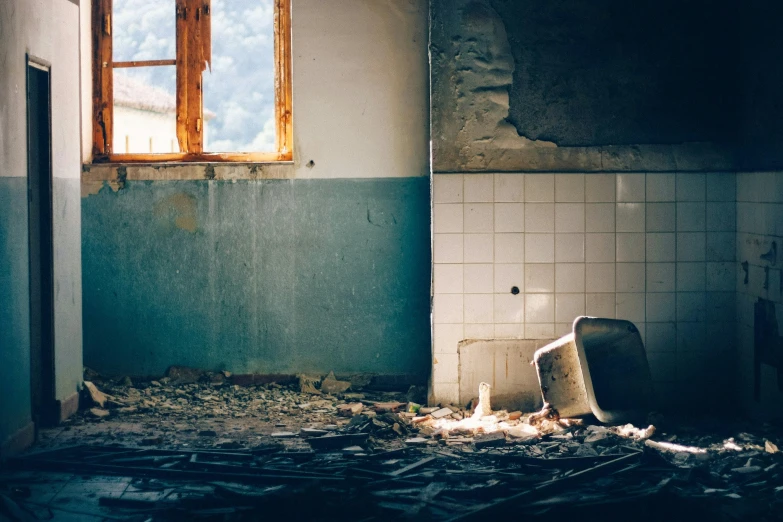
{"type": "Point", "coordinates": [283, 88]}
{"type": "Point", "coordinates": [193, 84]}
{"type": "Point", "coordinates": [182, 75]}
{"type": "Point", "coordinates": [108, 75]}
{"type": "Point", "coordinates": [143, 63]}
{"type": "Point", "coordinates": [97, 96]}
{"type": "Point", "coordinates": [102, 85]}
{"type": "Point", "coordinates": [206, 33]}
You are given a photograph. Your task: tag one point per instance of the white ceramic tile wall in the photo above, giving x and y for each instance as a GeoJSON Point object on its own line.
{"type": "Point", "coordinates": [537, 250]}
{"type": "Point", "coordinates": [759, 223]}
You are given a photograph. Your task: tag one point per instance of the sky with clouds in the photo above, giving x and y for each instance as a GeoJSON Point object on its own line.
{"type": "Point", "coordinates": [240, 87]}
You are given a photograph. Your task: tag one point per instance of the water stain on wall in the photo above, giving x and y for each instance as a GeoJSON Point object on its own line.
{"type": "Point", "coordinates": [179, 209]}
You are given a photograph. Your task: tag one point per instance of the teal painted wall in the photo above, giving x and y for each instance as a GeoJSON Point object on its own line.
{"type": "Point", "coordinates": [271, 276]}
{"type": "Point", "coordinates": [15, 406]}
{"type": "Point", "coordinates": [67, 286]}
{"type": "Point", "coordinates": [14, 308]}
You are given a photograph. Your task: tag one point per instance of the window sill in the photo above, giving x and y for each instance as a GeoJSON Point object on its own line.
{"type": "Point", "coordinates": [119, 171]}
{"type": "Point", "coordinates": [206, 157]}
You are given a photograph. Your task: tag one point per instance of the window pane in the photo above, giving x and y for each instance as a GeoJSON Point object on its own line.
{"type": "Point", "coordinates": [143, 30]}
{"type": "Point", "coordinates": [239, 93]}
{"type": "Point", "coordinates": [145, 110]}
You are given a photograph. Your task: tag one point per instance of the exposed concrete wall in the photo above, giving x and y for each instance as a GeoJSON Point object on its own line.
{"type": "Point", "coordinates": [569, 86]}
{"type": "Point", "coordinates": [282, 268]}
{"type": "Point", "coordinates": [48, 30]}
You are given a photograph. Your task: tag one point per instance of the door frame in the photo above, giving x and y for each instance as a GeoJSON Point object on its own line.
{"type": "Point", "coordinates": [42, 356]}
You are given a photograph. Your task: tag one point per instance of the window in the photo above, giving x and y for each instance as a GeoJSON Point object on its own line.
{"type": "Point", "coordinates": [191, 80]}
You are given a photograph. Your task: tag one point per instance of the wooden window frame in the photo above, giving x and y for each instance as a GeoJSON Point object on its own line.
{"type": "Point", "coordinates": [193, 34]}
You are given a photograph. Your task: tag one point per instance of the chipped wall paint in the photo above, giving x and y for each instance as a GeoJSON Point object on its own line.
{"type": "Point", "coordinates": [95, 177]}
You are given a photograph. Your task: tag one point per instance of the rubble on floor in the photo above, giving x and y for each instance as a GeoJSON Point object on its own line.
{"type": "Point", "coordinates": [216, 451]}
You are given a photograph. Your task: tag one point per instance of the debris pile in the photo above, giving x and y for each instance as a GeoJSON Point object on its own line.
{"type": "Point", "coordinates": [206, 410]}
{"type": "Point", "coordinates": [387, 418]}
{"type": "Point", "coordinates": [231, 451]}
{"type": "Point", "coordinates": [589, 472]}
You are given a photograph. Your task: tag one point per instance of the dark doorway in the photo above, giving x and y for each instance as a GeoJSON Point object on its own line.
{"type": "Point", "coordinates": [39, 197]}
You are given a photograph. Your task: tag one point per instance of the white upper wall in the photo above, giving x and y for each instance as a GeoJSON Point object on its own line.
{"type": "Point", "coordinates": [85, 70]}
{"type": "Point", "coordinates": [360, 86]}
{"type": "Point", "coordinates": [47, 30]}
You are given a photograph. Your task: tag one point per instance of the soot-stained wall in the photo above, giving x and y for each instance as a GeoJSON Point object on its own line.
{"type": "Point", "coordinates": [616, 72]}
{"type": "Point", "coordinates": [761, 70]}
{"type": "Point", "coordinates": [516, 84]}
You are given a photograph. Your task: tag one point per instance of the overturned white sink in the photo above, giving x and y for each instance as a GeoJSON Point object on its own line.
{"type": "Point", "coordinates": [600, 368]}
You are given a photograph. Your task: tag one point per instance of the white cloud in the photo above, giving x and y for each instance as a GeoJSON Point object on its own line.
{"type": "Point", "coordinates": [264, 140]}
